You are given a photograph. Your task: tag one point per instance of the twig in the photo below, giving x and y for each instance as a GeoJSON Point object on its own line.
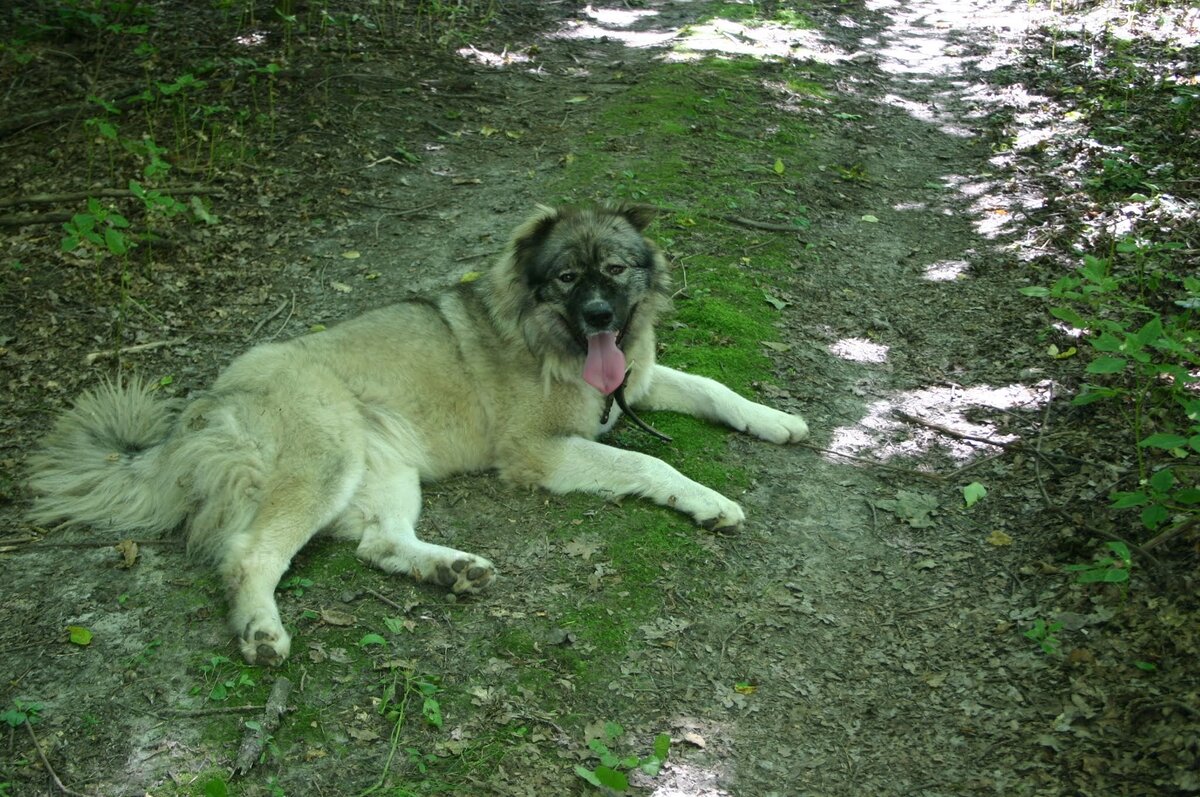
{"type": "Point", "coordinates": [98, 544]}
{"type": "Point", "coordinates": [757, 225]}
{"type": "Point", "coordinates": [49, 769]}
{"type": "Point", "coordinates": [74, 196]}
{"type": "Point", "coordinates": [286, 319]}
{"type": "Point", "coordinates": [256, 737]}
{"type": "Point", "coordinates": [1170, 534]}
{"type": "Point", "coordinates": [275, 312]}
{"type": "Point", "coordinates": [158, 344]}
{"type": "Point", "coordinates": [25, 219]}
{"type": "Point", "coordinates": [933, 477]}
{"type": "Point", "coordinates": [904, 416]}
{"type": "Point", "coordinates": [203, 712]}
{"type": "Point", "coordinates": [381, 597]}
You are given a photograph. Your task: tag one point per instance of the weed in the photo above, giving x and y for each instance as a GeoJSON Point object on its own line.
{"type": "Point", "coordinates": [297, 585]}
{"type": "Point", "coordinates": [613, 771]}
{"type": "Point", "coordinates": [1111, 569]}
{"type": "Point", "coordinates": [20, 713]}
{"type": "Point", "coordinates": [1043, 633]}
{"type": "Point", "coordinates": [1144, 354]}
{"type": "Point", "coordinates": [220, 681]}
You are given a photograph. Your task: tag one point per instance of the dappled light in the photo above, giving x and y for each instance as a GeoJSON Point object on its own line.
{"type": "Point", "coordinates": [885, 436]}
{"type": "Point", "coordinates": [946, 270]}
{"type": "Point", "coordinates": [859, 350]}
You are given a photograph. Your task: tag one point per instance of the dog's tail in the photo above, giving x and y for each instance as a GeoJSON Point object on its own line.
{"type": "Point", "coordinates": [106, 464]}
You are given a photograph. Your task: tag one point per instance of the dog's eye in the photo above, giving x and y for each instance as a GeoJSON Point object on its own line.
{"type": "Point", "coordinates": [567, 277]}
{"type": "Point", "coordinates": [616, 269]}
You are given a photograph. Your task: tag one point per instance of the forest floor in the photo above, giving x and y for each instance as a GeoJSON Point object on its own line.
{"type": "Point", "coordinates": [853, 197]}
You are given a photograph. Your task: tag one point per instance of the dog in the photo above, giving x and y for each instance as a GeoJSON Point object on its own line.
{"type": "Point", "coordinates": [515, 371]}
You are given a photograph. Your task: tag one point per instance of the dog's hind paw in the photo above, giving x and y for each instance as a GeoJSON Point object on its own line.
{"type": "Point", "coordinates": [468, 573]}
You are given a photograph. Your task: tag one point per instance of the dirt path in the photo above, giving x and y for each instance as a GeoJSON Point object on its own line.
{"type": "Point", "coordinates": [862, 636]}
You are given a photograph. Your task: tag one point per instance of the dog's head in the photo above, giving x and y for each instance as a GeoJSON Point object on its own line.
{"type": "Point", "coordinates": [587, 273]}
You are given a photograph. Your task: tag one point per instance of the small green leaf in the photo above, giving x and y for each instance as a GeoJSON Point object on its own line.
{"type": "Point", "coordinates": [973, 492]}
{"type": "Point", "coordinates": [587, 775]}
{"type": "Point", "coordinates": [1146, 666]}
{"type": "Point", "coordinates": [612, 778]}
{"type": "Point", "coordinates": [432, 711]}
{"type": "Point", "coordinates": [779, 167]}
{"type": "Point", "coordinates": [1162, 480]}
{"type": "Point", "coordinates": [1035, 290]}
{"type": "Point", "coordinates": [79, 635]}
{"type": "Point", "coordinates": [651, 765]}
{"type": "Point", "coordinates": [1107, 365]}
{"type": "Point", "coordinates": [1154, 515]}
{"type": "Point", "coordinates": [216, 788]}
{"type": "Point", "coordinates": [662, 746]}
{"type": "Point", "coordinates": [1163, 440]}
{"type": "Point", "coordinates": [613, 730]}
{"type": "Point", "coordinates": [115, 241]}
{"type": "Point", "coordinates": [1125, 500]}
{"type": "Point", "coordinates": [371, 639]}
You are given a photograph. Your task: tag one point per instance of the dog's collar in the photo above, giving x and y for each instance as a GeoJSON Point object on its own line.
{"type": "Point", "coordinates": [619, 393]}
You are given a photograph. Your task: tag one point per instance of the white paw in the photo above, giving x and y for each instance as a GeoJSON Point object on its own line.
{"type": "Point", "coordinates": [774, 426]}
{"type": "Point", "coordinates": [261, 636]}
{"type": "Point", "coordinates": [464, 573]}
{"type": "Point", "coordinates": [719, 514]}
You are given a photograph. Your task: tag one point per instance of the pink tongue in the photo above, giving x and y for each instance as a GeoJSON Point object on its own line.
{"type": "Point", "coordinates": [605, 366]}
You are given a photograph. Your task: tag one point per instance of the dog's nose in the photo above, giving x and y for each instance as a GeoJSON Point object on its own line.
{"type": "Point", "coordinates": [598, 314]}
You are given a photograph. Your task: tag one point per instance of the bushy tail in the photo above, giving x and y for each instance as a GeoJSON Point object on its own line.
{"type": "Point", "coordinates": [105, 464]}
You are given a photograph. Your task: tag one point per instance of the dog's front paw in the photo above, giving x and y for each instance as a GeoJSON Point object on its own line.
{"type": "Point", "coordinates": [467, 573]}
{"type": "Point", "coordinates": [774, 426]}
{"type": "Point", "coordinates": [262, 638]}
{"type": "Point", "coordinates": [727, 517]}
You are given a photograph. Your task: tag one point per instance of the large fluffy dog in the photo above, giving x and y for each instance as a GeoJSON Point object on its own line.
{"type": "Point", "coordinates": [336, 430]}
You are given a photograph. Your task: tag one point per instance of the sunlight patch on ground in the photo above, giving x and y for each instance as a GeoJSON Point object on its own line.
{"type": "Point", "coordinates": [617, 17]}
{"type": "Point", "coordinates": [678, 779]}
{"type": "Point", "coordinates": [945, 270]}
{"type": "Point", "coordinates": [758, 40]}
{"type": "Point", "coordinates": [494, 60]}
{"type": "Point", "coordinates": [885, 436]}
{"type": "Point", "coordinates": [859, 350]}
{"type": "Point", "coordinates": [254, 38]}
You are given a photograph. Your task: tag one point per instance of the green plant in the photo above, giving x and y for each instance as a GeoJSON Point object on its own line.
{"type": "Point", "coordinates": [220, 681]}
{"type": "Point", "coordinates": [1111, 569]}
{"type": "Point", "coordinates": [394, 708]}
{"type": "Point", "coordinates": [1144, 352]}
{"type": "Point", "coordinates": [296, 584]}
{"type": "Point", "coordinates": [20, 713]}
{"type": "Point", "coordinates": [612, 771]}
{"type": "Point", "coordinates": [1043, 633]}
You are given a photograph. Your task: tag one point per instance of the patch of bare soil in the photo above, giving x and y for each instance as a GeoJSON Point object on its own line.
{"type": "Point", "coordinates": [865, 635]}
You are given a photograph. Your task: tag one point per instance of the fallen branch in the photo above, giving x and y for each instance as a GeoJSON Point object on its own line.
{"type": "Point", "coordinates": [26, 219]}
{"type": "Point", "coordinates": [258, 734]}
{"type": "Point", "coordinates": [933, 477]}
{"type": "Point", "coordinates": [904, 416]}
{"type": "Point", "coordinates": [751, 223]}
{"type": "Point", "coordinates": [75, 196]}
{"type": "Point", "coordinates": [158, 344]}
{"type": "Point", "coordinates": [46, 763]}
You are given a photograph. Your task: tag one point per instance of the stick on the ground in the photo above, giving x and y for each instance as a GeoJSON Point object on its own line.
{"type": "Point", "coordinates": [256, 737]}
{"type": "Point", "coordinates": [158, 344]}
{"type": "Point", "coordinates": [75, 196]}
{"type": "Point", "coordinates": [58, 784]}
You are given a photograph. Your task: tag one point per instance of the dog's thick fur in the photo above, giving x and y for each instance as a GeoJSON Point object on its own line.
{"type": "Point", "coordinates": [336, 430]}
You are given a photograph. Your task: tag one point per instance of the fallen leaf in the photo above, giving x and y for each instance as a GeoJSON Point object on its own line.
{"type": "Point", "coordinates": [745, 688]}
{"type": "Point", "coordinates": [576, 100]}
{"type": "Point", "coordinates": [363, 734]}
{"type": "Point", "coordinates": [775, 301]}
{"type": "Point", "coordinates": [779, 167]}
{"type": "Point", "coordinates": [773, 346]}
{"type": "Point", "coordinates": [337, 617]}
{"type": "Point", "coordinates": [340, 287]}
{"type": "Point", "coordinates": [999, 538]}
{"type": "Point", "coordinates": [470, 276]}
{"type": "Point", "coordinates": [129, 553]}
{"type": "Point", "coordinates": [79, 635]}
{"type": "Point", "coordinates": [693, 738]}
{"type": "Point", "coordinates": [583, 547]}
{"type": "Point", "coordinates": [353, 254]}
{"type": "Point", "coordinates": [870, 219]}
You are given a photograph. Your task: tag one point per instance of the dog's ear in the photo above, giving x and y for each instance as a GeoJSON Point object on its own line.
{"type": "Point", "coordinates": [639, 216]}
{"type": "Point", "coordinates": [530, 236]}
